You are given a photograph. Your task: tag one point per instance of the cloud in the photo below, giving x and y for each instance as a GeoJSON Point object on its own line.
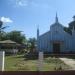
{"type": "Point", "coordinates": [31, 3]}
{"type": "Point", "coordinates": [19, 3]}
{"type": "Point", "coordinates": [22, 2]}
{"type": "Point", "coordinates": [6, 19]}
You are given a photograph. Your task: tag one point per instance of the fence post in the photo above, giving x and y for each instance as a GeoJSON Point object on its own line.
{"type": "Point", "coordinates": [2, 56]}
{"type": "Point", "coordinates": [40, 61]}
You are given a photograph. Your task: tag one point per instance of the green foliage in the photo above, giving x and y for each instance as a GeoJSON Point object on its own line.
{"type": "Point", "coordinates": [52, 60]}
{"type": "Point", "coordinates": [2, 33]}
{"type": "Point", "coordinates": [59, 65]}
{"type": "Point", "coordinates": [3, 36]}
{"type": "Point", "coordinates": [18, 63]}
{"type": "Point", "coordinates": [31, 45]}
{"type": "Point", "coordinates": [58, 68]}
{"type": "Point", "coordinates": [71, 26]}
{"type": "Point", "coordinates": [16, 36]}
{"type": "Point", "coordinates": [67, 29]}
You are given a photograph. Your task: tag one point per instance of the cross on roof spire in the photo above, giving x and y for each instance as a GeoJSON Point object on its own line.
{"type": "Point", "coordinates": [56, 19]}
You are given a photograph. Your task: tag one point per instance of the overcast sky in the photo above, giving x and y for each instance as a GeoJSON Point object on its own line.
{"type": "Point", "coordinates": [25, 15]}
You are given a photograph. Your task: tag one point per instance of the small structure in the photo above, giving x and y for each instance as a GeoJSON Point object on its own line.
{"type": "Point", "coordinates": [9, 46]}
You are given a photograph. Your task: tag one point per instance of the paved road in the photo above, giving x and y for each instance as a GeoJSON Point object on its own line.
{"type": "Point", "coordinates": [70, 62]}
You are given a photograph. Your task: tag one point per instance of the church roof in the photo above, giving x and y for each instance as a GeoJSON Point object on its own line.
{"type": "Point", "coordinates": [48, 32]}
{"type": "Point", "coordinates": [56, 22]}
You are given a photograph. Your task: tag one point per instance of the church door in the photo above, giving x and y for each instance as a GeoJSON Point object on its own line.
{"type": "Point", "coordinates": [56, 48]}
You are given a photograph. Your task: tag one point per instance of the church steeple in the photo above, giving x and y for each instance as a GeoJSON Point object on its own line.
{"type": "Point", "coordinates": [38, 37]}
{"type": "Point", "coordinates": [56, 19]}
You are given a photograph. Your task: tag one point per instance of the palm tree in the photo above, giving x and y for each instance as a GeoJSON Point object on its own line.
{"type": "Point", "coordinates": [32, 44]}
{"type": "Point", "coordinates": [2, 29]}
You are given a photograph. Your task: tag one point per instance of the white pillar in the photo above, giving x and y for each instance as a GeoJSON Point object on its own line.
{"type": "Point", "coordinates": [40, 61]}
{"type": "Point", "coordinates": [2, 55]}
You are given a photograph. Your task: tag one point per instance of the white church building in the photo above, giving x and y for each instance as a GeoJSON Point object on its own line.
{"type": "Point", "coordinates": [56, 40]}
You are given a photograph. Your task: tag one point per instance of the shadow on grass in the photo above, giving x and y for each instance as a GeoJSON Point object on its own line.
{"type": "Point", "coordinates": [31, 57]}
{"type": "Point", "coordinates": [34, 56]}
{"type": "Point", "coordinates": [71, 57]}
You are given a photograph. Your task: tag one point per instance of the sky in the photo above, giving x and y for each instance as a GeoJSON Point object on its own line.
{"type": "Point", "coordinates": [26, 15]}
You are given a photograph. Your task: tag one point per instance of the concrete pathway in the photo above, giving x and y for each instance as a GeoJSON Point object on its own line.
{"type": "Point", "coordinates": [70, 62]}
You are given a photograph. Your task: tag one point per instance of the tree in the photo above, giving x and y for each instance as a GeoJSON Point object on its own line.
{"type": "Point", "coordinates": [16, 36]}
{"type": "Point", "coordinates": [2, 29]}
{"type": "Point", "coordinates": [71, 26]}
{"type": "Point", "coordinates": [3, 36]}
{"type": "Point", "coordinates": [68, 30]}
{"type": "Point", "coordinates": [32, 44]}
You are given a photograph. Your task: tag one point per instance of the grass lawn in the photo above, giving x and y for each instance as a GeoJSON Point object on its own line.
{"type": "Point", "coordinates": [19, 63]}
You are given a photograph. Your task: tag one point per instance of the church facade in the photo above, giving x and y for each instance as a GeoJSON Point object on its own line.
{"type": "Point", "coordinates": [56, 40]}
